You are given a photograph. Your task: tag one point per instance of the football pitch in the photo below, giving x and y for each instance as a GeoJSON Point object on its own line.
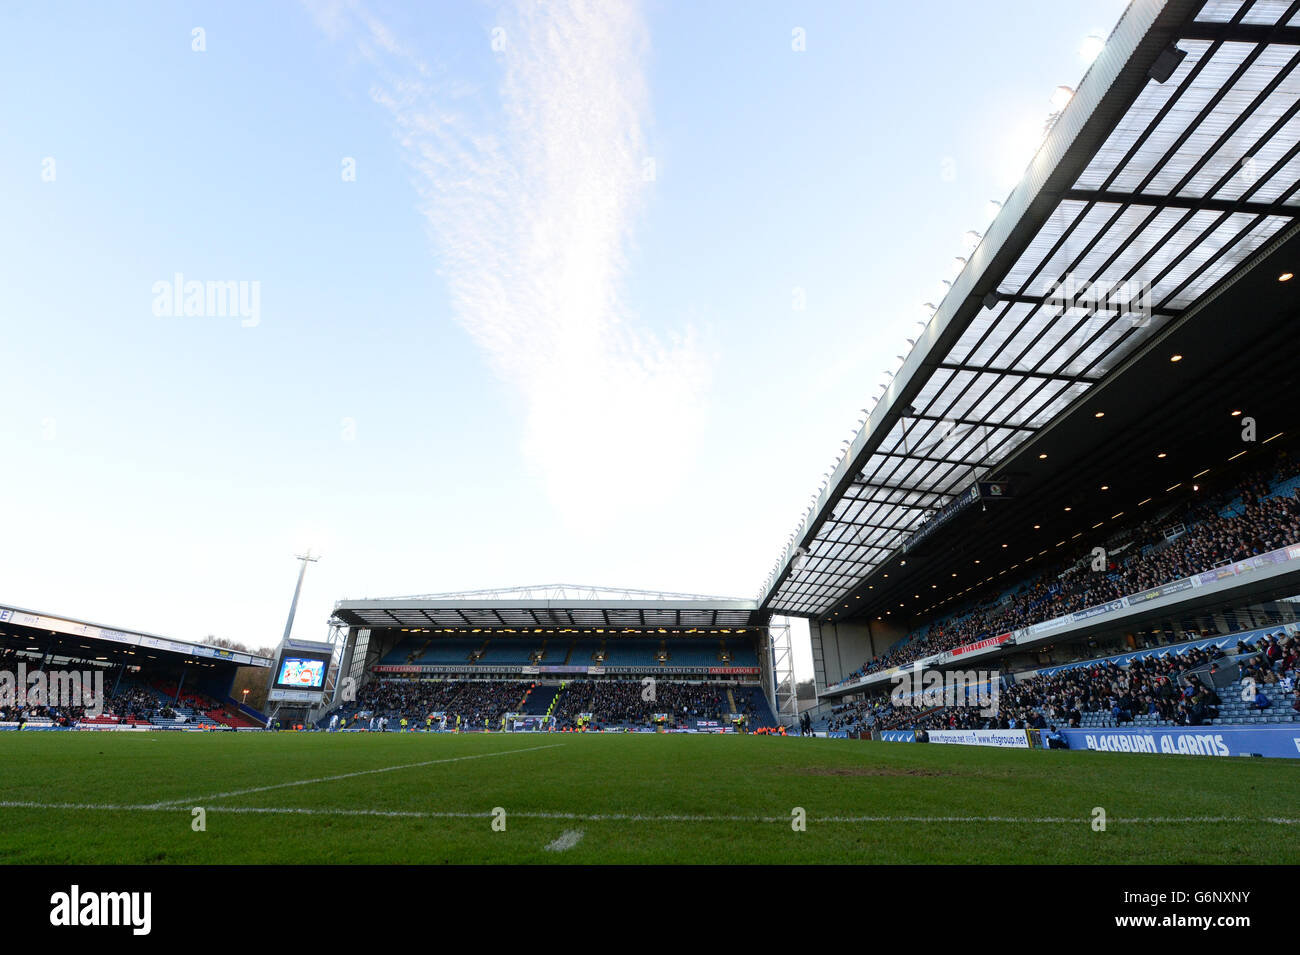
{"type": "Point", "coordinates": [129, 798]}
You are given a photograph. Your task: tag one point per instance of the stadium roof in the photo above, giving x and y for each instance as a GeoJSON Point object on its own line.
{"type": "Point", "coordinates": [66, 636]}
{"type": "Point", "coordinates": [552, 605]}
{"type": "Point", "coordinates": [1162, 176]}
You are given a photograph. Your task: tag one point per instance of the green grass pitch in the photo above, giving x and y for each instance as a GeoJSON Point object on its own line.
{"type": "Point", "coordinates": [128, 798]}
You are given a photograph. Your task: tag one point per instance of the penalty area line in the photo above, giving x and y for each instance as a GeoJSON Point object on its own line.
{"type": "Point", "coordinates": [199, 800]}
{"type": "Point", "coordinates": [645, 817]}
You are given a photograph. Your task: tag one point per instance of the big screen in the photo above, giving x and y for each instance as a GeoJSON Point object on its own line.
{"type": "Point", "coordinates": [301, 672]}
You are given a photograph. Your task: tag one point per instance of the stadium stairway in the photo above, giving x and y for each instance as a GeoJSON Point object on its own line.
{"type": "Point", "coordinates": [229, 713]}
{"type": "Point", "coordinates": [761, 712]}
{"type": "Point", "coordinates": [540, 698]}
{"type": "Point", "coordinates": [198, 707]}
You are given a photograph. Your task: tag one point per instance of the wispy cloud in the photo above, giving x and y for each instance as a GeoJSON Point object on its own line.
{"type": "Point", "coordinates": [531, 191]}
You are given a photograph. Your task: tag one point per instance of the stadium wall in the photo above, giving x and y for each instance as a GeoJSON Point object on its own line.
{"type": "Point", "coordinates": [839, 648]}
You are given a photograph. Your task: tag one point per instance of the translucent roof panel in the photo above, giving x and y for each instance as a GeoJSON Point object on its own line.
{"type": "Point", "coordinates": [1190, 179]}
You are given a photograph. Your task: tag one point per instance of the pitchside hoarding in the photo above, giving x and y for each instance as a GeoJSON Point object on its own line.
{"type": "Point", "coordinates": [1277, 741]}
{"type": "Point", "coordinates": [1282, 742]}
{"type": "Point", "coordinates": [1002, 739]}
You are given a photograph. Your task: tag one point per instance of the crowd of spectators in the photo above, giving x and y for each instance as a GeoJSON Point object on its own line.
{"type": "Point", "coordinates": [133, 704]}
{"type": "Point", "coordinates": [610, 702]}
{"type": "Point", "coordinates": [11, 712]}
{"type": "Point", "coordinates": [136, 704]}
{"type": "Point", "coordinates": [1158, 687]}
{"type": "Point", "coordinates": [1150, 557]}
{"type": "Point", "coordinates": [858, 715]}
{"type": "Point", "coordinates": [474, 702]}
{"type": "Point", "coordinates": [633, 703]}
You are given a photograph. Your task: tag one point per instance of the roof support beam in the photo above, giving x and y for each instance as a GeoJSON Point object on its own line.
{"type": "Point", "coordinates": [1241, 33]}
{"type": "Point", "coordinates": [1021, 373]}
{"type": "Point", "coordinates": [880, 527]}
{"type": "Point", "coordinates": [921, 457]}
{"type": "Point", "coordinates": [1179, 202]}
{"type": "Point", "coordinates": [994, 425]}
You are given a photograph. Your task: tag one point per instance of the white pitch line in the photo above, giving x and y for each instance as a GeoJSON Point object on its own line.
{"type": "Point", "coordinates": [199, 800]}
{"type": "Point", "coordinates": [645, 817]}
{"type": "Point", "coordinates": [566, 841]}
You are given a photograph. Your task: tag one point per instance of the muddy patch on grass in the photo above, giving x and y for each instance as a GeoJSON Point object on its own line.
{"type": "Point", "coordinates": [873, 771]}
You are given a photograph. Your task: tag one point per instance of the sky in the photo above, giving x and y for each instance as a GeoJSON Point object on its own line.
{"type": "Point", "coordinates": [469, 295]}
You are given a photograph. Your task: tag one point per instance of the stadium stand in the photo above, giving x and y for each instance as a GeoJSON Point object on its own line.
{"type": "Point", "coordinates": [477, 704]}
{"type": "Point", "coordinates": [579, 655]}
{"type": "Point", "coordinates": [1258, 513]}
{"type": "Point", "coordinates": [1198, 684]}
{"type": "Point", "coordinates": [473, 703]}
{"type": "Point", "coordinates": [625, 703]}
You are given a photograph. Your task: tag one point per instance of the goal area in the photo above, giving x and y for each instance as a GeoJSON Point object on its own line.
{"type": "Point", "coordinates": [528, 723]}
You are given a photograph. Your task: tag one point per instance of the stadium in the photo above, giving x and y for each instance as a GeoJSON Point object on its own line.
{"type": "Point", "coordinates": [1064, 541]}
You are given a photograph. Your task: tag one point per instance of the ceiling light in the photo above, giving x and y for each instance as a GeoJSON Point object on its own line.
{"type": "Point", "coordinates": [1175, 357]}
{"type": "Point", "coordinates": [1286, 277]}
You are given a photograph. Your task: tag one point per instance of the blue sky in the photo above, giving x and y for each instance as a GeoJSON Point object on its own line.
{"type": "Point", "coordinates": [606, 292]}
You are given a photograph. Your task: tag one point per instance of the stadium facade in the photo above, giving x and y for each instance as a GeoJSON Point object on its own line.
{"type": "Point", "coordinates": [1104, 394]}
{"type": "Point", "coordinates": [150, 681]}
{"type": "Point", "coordinates": [1118, 343]}
{"type": "Point", "coordinates": [553, 635]}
